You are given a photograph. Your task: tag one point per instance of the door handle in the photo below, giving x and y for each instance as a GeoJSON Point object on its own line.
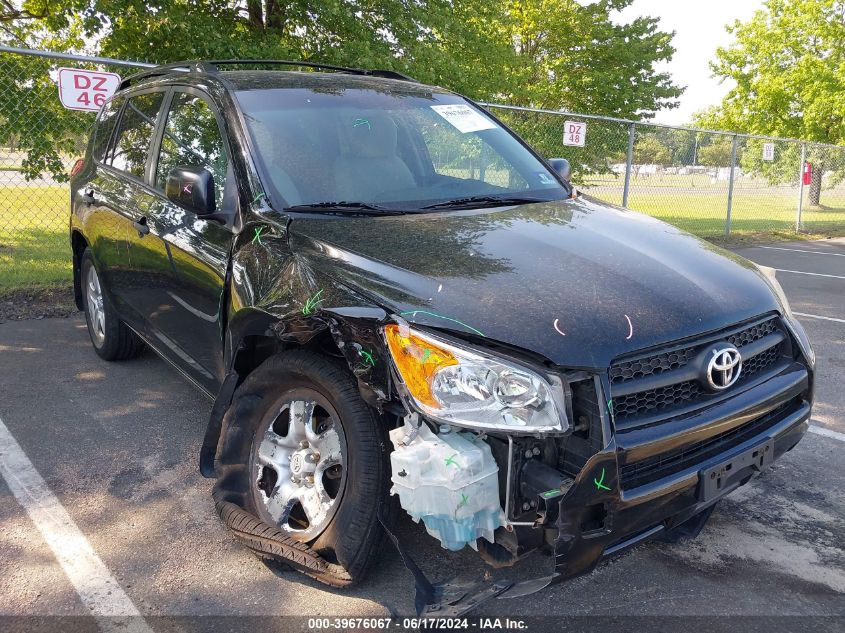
{"type": "Point", "coordinates": [88, 197]}
{"type": "Point", "coordinates": [141, 227]}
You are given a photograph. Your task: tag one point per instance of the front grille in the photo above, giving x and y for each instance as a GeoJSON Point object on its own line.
{"type": "Point", "coordinates": [635, 404]}
{"type": "Point", "coordinates": [635, 369]}
{"type": "Point", "coordinates": [654, 468]}
{"type": "Point", "coordinates": [667, 361]}
{"type": "Point", "coordinates": [758, 363]}
{"type": "Point", "coordinates": [753, 333]}
{"type": "Point", "coordinates": [665, 399]}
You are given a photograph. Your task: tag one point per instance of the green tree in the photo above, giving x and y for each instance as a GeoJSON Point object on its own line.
{"type": "Point", "coordinates": [437, 41]}
{"type": "Point", "coordinates": [648, 150]}
{"type": "Point", "coordinates": [788, 63]}
{"type": "Point", "coordinates": [577, 58]}
{"type": "Point", "coordinates": [552, 54]}
{"type": "Point", "coordinates": [680, 143]}
{"type": "Point", "coordinates": [716, 154]}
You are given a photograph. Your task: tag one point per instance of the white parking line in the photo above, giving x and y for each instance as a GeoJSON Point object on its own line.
{"type": "Point", "coordinates": [820, 430]}
{"type": "Point", "coordinates": [801, 272]}
{"type": "Point", "coordinates": [818, 316]}
{"type": "Point", "coordinates": [799, 250]}
{"type": "Point", "coordinates": [97, 589]}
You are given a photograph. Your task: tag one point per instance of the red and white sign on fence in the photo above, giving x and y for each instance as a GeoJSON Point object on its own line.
{"type": "Point", "coordinates": [574, 133]}
{"type": "Point", "coordinates": [86, 89]}
{"type": "Point", "coordinates": [768, 151]}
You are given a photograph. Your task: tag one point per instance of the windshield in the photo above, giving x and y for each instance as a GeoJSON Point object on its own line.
{"type": "Point", "coordinates": [387, 150]}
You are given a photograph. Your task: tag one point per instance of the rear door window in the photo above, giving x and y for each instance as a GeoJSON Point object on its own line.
{"type": "Point", "coordinates": [192, 138]}
{"type": "Point", "coordinates": [104, 128]}
{"type": "Point", "coordinates": [135, 133]}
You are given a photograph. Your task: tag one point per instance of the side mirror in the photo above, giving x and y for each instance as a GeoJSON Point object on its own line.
{"type": "Point", "coordinates": [192, 188]}
{"type": "Point", "coordinates": [562, 167]}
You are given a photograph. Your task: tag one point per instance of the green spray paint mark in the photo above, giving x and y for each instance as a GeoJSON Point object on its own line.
{"type": "Point", "coordinates": [464, 501]}
{"type": "Point", "coordinates": [550, 493]}
{"type": "Point", "coordinates": [414, 313]}
{"type": "Point", "coordinates": [311, 303]}
{"type": "Point", "coordinates": [360, 122]}
{"type": "Point", "coordinates": [426, 355]}
{"type": "Point", "coordinates": [258, 231]}
{"type": "Point", "coordinates": [600, 482]}
{"type": "Point", "coordinates": [258, 197]}
{"type": "Point", "coordinates": [368, 358]}
{"type": "Point", "coordinates": [450, 461]}
{"type": "Point", "coordinates": [610, 407]}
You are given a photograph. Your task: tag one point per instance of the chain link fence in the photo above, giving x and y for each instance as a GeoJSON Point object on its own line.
{"type": "Point", "coordinates": [713, 184]}
{"type": "Point", "coordinates": [40, 140]}
{"type": "Point", "coordinates": [709, 183]}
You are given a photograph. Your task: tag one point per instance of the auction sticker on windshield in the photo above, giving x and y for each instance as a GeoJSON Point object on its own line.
{"type": "Point", "coordinates": [464, 118]}
{"type": "Point", "coordinates": [86, 89]}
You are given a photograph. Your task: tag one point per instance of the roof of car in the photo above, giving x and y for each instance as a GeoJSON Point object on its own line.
{"type": "Point", "coordinates": [268, 79]}
{"type": "Point", "coordinates": [338, 78]}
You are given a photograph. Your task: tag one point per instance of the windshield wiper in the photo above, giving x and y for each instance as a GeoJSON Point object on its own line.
{"type": "Point", "coordinates": [345, 207]}
{"type": "Point", "coordinates": [484, 201]}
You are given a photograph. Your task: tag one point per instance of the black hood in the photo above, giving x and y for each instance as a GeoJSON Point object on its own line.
{"type": "Point", "coordinates": [577, 281]}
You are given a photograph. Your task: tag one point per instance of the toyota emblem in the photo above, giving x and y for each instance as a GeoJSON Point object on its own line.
{"type": "Point", "coordinates": [724, 367]}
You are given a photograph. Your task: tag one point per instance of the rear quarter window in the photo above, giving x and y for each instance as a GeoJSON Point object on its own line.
{"type": "Point", "coordinates": [136, 132]}
{"type": "Point", "coordinates": [104, 127]}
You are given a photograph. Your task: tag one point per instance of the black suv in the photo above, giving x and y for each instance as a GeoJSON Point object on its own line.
{"type": "Point", "coordinates": [387, 293]}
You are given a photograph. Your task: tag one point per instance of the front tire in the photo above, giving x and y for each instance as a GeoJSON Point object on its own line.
{"type": "Point", "coordinates": [111, 338]}
{"type": "Point", "coordinates": [304, 454]}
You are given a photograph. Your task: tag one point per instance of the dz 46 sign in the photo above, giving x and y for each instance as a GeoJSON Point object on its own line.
{"type": "Point", "coordinates": [574, 133]}
{"type": "Point", "coordinates": [86, 89]}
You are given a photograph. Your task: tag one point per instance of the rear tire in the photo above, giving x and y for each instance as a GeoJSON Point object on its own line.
{"type": "Point", "coordinates": [348, 534]}
{"type": "Point", "coordinates": [111, 338]}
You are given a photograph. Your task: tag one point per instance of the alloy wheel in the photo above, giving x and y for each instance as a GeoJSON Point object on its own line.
{"type": "Point", "coordinates": [299, 467]}
{"type": "Point", "coordinates": [96, 309]}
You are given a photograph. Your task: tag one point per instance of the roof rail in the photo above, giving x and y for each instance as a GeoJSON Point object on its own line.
{"type": "Point", "coordinates": [186, 67]}
{"type": "Point", "coordinates": [213, 66]}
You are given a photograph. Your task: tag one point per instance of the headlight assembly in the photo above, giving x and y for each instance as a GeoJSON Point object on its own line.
{"type": "Point", "coordinates": [774, 284]}
{"type": "Point", "coordinates": [473, 389]}
{"type": "Point", "coordinates": [792, 323]}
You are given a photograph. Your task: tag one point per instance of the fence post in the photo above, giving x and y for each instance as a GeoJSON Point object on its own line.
{"type": "Point", "coordinates": [731, 187]}
{"type": "Point", "coordinates": [801, 187]}
{"type": "Point", "coordinates": [629, 161]}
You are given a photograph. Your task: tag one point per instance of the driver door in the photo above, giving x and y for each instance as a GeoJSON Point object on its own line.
{"type": "Point", "coordinates": [188, 321]}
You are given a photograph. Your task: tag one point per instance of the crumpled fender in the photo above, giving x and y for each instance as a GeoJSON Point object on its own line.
{"type": "Point", "coordinates": [277, 294]}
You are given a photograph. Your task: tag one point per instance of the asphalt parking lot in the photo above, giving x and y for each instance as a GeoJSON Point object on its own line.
{"type": "Point", "coordinates": [117, 445]}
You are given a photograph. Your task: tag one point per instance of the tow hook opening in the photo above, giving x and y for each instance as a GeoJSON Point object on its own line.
{"type": "Point", "coordinates": [595, 520]}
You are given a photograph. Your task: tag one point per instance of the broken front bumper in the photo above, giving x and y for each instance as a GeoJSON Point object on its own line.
{"type": "Point", "coordinates": [596, 518]}
{"type": "Point", "coordinates": [647, 481]}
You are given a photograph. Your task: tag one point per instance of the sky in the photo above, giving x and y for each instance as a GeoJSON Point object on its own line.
{"type": "Point", "coordinates": [699, 28]}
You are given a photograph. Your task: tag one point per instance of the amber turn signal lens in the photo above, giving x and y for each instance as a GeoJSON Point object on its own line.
{"type": "Point", "coordinates": [417, 360]}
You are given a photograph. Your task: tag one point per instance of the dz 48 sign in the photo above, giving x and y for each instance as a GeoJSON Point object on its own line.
{"type": "Point", "coordinates": [86, 89]}
{"type": "Point", "coordinates": [574, 133]}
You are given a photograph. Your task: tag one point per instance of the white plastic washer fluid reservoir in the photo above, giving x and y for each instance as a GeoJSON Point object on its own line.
{"type": "Point", "coordinates": [449, 481]}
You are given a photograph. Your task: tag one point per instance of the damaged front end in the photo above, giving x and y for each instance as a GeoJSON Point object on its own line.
{"type": "Point", "coordinates": [596, 483]}
{"type": "Point", "coordinates": [489, 449]}
{"type": "Point", "coordinates": [500, 449]}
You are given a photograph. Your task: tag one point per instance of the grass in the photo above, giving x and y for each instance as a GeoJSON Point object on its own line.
{"type": "Point", "coordinates": [699, 205]}
{"type": "Point", "coordinates": [34, 248]}
{"type": "Point", "coordinates": [34, 244]}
